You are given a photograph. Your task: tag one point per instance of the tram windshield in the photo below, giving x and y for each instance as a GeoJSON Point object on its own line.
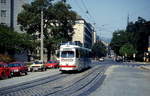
{"type": "Point", "coordinates": [67, 54]}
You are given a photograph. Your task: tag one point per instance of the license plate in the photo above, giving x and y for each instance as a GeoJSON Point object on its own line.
{"type": "Point", "coordinates": [35, 68]}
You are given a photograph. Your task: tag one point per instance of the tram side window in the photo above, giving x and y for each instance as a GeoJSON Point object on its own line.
{"type": "Point", "coordinates": [82, 54]}
{"type": "Point", "coordinates": [67, 54]}
{"type": "Point", "coordinates": [87, 54]}
{"type": "Point", "coordinates": [77, 53]}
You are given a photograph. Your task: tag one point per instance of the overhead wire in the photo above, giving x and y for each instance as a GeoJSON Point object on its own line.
{"type": "Point", "coordinates": [82, 9]}
{"type": "Point", "coordinates": [88, 12]}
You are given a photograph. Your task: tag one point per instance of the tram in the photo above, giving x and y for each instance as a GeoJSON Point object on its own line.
{"type": "Point", "coordinates": [74, 57]}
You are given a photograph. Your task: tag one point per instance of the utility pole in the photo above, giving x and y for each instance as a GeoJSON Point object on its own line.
{"type": "Point", "coordinates": [42, 35]}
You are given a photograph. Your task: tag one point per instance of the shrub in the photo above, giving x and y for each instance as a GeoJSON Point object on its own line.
{"type": "Point", "coordinates": [6, 58]}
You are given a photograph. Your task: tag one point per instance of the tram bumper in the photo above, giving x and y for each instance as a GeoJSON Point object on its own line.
{"type": "Point", "coordinates": [67, 67]}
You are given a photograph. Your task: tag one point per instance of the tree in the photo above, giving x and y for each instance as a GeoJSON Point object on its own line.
{"type": "Point", "coordinates": [120, 37]}
{"type": "Point", "coordinates": [136, 34]}
{"type": "Point", "coordinates": [139, 32]}
{"type": "Point", "coordinates": [58, 22]}
{"type": "Point", "coordinates": [127, 50]}
{"type": "Point", "coordinates": [99, 49]}
{"type": "Point", "coordinates": [12, 41]}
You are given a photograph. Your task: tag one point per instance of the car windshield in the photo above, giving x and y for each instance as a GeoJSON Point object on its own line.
{"type": "Point", "coordinates": [67, 54]}
{"type": "Point", "coordinates": [51, 61]}
{"type": "Point", "coordinates": [14, 65]}
{"type": "Point", "coordinates": [37, 62]}
{"type": "Point", "coordinates": [1, 65]}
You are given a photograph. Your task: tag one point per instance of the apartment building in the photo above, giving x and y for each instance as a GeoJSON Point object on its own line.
{"type": "Point", "coordinates": [9, 10]}
{"type": "Point", "coordinates": [84, 32]}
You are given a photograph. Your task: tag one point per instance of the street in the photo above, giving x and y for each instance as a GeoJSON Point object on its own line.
{"type": "Point", "coordinates": [107, 78]}
{"type": "Point", "coordinates": [122, 80]}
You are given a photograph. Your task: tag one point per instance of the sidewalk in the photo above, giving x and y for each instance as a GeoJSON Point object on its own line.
{"type": "Point", "coordinates": [145, 67]}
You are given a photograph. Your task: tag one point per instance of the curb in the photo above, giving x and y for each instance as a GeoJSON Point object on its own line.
{"type": "Point", "coordinates": [145, 68]}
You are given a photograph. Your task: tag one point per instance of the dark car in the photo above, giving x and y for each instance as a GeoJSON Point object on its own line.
{"type": "Point", "coordinates": [52, 64]}
{"type": "Point", "coordinates": [17, 68]}
{"type": "Point", "coordinates": [4, 71]}
{"type": "Point", "coordinates": [119, 59]}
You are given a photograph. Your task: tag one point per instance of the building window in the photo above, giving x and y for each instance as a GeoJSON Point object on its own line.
{"type": "Point", "coordinates": [3, 13]}
{"type": "Point", "coordinates": [3, 1]}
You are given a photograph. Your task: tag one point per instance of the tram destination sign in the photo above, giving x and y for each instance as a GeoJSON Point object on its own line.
{"type": "Point", "coordinates": [67, 49]}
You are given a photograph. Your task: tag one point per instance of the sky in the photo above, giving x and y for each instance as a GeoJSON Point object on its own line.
{"type": "Point", "coordinates": [111, 15]}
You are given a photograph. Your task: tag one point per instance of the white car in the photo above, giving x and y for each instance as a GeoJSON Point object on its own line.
{"type": "Point", "coordinates": [37, 65]}
{"type": "Point", "coordinates": [101, 59]}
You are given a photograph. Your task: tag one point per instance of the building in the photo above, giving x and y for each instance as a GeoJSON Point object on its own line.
{"type": "Point", "coordinates": [9, 10]}
{"type": "Point", "coordinates": [84, 32]}
{"type": "Point", "coordinates": [94, 37]}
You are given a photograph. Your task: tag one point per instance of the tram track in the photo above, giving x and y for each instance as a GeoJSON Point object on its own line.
{"type": "Point", "coordinates": [30, 84]}
{"type": "Point", "coordinates": [72, 90]}
{"type": "Point", "coordinates": [48, 86]}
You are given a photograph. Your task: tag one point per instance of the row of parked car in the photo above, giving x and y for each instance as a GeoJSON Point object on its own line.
{"type": "Point", "coordinates": [20, 68]}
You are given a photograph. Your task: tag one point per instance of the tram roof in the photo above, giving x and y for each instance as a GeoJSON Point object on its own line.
{"type": "Point", "coordinates": [73, 46]}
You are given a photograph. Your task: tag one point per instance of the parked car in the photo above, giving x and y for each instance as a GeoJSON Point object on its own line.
{"type": "Point", "coordinates": [101, 59]}
{"type": "Point", "coordinates": [4, 71]}
{"type": "Point", "coordinates": [17, 68]}
{"type": "Point", "coordinates": [52, 64]}
{"type": "Point", "coordinates": [36, 66]}
{"type": "Point", "coordinates": [119, 59]}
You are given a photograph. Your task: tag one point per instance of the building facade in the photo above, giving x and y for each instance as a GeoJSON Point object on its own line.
{"type": "Point", "coordinates": [9, 10]}
{"type": "Point", "coordinates": [83, 32]}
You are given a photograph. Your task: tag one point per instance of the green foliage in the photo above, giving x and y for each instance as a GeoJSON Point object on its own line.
{"type": "Point", "coordinates": [12, 41]}
{"type": "Point", "coordinates": [6, 59]}
{"type": "Point", "coordinates": [58, 19]}
{"type": "Point", "coordinates": [127, 50]}
{"type": "Point", "coordinates": [135, 34]}
{"type": "Point", "coordinates": [139, 32]}
{"type": "Point", "coordinates": [63, 21]}
{"type": "Point", "coordinates": [99, 49]}
{"type": "Point", "coordinates": [120, 37]}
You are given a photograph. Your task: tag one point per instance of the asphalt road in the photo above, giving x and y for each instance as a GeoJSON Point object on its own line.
{"type": "Point", "coordinates": [52, 83]}
{"type": "Point", "coordinates": [125, 79]}
{"type": "Point", "coordinates": [106, 78]}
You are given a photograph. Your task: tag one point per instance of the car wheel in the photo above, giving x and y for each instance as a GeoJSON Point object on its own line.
{"type": "Point", "coordinates": [20, 73]}
{"type": "Point", "coordinates": [45, 69]}
{"type": "Point", "coordinates": [42, 69]}
{"type": "Point", "coordinates": [31, 70]}
{"type": "Point", "coordinates": [4, 76]}
{"type": "Point", "coordinates": [10, 75]}
{"type": "Point", "coordinates": [26, 73]}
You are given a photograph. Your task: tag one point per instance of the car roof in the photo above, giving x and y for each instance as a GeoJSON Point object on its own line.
{"type": "Point", "coordinates": [15, 62]}
{"type": "Point", "coordinates": [2, 63]}
{"type": "Point", "coordinates": [52, 60]}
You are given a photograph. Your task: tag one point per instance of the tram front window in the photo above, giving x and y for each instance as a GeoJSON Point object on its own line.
{"type": "Point", "coordinates": [67, 54]}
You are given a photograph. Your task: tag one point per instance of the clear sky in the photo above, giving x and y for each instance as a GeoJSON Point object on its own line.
{"type": "Point", "coordinates": [111, 15]}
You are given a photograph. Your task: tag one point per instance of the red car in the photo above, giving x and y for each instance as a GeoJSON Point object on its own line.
{"type": "Point", "coordinates": [4, 71]}
{"type": "Point", "coordinates": [17, 68]}
{"type": "Point", "coordinates": [52, 64]}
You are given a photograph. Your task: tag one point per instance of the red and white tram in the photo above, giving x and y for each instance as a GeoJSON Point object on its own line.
{"type": "Point", "coordinates": [74, 57]}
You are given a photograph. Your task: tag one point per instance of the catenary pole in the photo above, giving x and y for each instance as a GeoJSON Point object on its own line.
{"type": "Point", "coordinates": [41, 57]}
